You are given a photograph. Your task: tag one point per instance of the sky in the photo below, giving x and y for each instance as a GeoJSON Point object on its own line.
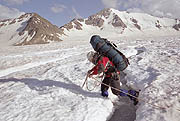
{"type": "Point", "coordinates": [60, 12]}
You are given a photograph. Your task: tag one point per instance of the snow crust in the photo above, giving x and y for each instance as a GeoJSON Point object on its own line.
{"type": "Point", "coordinates": [43, 82]}
{"type": "Point", "coordinates": [9, 32]}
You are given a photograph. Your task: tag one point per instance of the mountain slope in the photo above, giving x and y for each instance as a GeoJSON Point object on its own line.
{"type": "Point", "coordinates": [111, 22]}
{"type": "Point", "coordinates": [28, 29]}
{"type": "Point", "coordinates": [31, 28]}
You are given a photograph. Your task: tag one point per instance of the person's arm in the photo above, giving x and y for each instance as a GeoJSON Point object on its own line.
{"type": "Point", "coordinates": [99, 68]}
{"type": "Point", "coordinates": [93, 71]}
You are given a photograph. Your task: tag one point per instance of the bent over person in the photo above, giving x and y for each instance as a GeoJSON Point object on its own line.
{"type": "Point", "coordinates": [111, 76]}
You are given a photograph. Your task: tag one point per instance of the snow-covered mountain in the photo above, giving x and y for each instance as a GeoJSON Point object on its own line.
{"type": "Point", "coordinates": [29, 28]}
{"type": "Point", "coordinates": [111, 22]}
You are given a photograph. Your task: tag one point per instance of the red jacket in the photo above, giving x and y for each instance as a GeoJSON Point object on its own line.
{"type": "Point", "coordinates": [100, 66]}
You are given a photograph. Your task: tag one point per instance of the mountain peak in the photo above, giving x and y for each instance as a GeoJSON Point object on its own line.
{"type": "Point", "coordinates": [97, 20]}
{"type": "Point", "coordinates": [40, 31]}
{"type": "Point", "coordinates": [120, 23]}
{"type": "Point", "coordinates": [30, 28]}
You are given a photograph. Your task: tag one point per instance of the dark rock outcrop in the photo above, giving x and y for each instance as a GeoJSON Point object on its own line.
{"type": "Point", "coordinates": [40, 31]}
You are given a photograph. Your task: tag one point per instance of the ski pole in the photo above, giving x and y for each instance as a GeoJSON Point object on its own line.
{"type": "Point", "coordinates": [87, 75]}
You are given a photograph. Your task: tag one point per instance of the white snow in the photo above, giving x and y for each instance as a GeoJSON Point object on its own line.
{"type": "Point", "coordinates": [43, 82]}
{"type": "Point", "coordinates": [145, 21]}
{"type": "Point", "coordinates": [9, 33]}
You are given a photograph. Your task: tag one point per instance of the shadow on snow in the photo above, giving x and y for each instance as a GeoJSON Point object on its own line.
{"type": "Point", "coordinates": [40, 85]}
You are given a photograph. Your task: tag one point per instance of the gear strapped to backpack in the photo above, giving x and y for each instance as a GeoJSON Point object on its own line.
{"type": "Point", "coordinates": [107, 69]}
{"type": "Point", "coordinates": [105, 48]}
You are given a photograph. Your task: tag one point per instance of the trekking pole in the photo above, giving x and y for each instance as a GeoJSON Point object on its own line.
{"type": "Point", "coordinates": [87, 75]}
{"type": "Point", "coordinates": [114, 88]}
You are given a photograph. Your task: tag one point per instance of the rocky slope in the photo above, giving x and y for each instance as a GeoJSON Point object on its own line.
{"type": "Point", "coordinates": [31, 28]}
{"type": "Point", "coordinates": [111, 22]}
{"type": "Point", "coordinates": [28, 29]}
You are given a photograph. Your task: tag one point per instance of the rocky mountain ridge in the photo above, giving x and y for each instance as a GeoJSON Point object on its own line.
{"type": "Point", "coordinates": [122, 20]}
{"type": "Point", "coordinates": [41, 30]}
{"type": "Point", "coordinates": [31, 28]}
{"type": "Point", "coordinates": [28, 29]}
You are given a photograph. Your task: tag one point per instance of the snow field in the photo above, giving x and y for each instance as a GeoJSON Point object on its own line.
{"type": "Point", "coordinates": [44, 82]}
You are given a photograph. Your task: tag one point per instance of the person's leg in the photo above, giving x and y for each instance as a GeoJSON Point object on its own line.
{"type": "Point", "coordinates": [134, 96]}
{"type": "Point", "coordinates": [104, 87]}
{"type": "Point", "coordinates": [123, 78]}
{"type": "Point", "coordinates": [115, 84]}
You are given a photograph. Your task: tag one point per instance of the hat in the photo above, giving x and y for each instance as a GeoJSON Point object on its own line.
{"type": "Point", "coordinates": [90, 56]}
{"type": "Point", "coordinates": [93, 57]}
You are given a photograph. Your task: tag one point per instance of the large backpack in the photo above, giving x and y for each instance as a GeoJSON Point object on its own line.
{"type": "Point", "coordinates": [105, 48]}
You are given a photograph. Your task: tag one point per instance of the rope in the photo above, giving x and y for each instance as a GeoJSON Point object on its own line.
{"type": "Point", "coordinates": [95, 85]}
{"type": "Point", "coordinates": [86, 82]}
{"type": "Point", "coordinates": [153, 105]}
{"type": "Point", "coordinates": [96, 81]}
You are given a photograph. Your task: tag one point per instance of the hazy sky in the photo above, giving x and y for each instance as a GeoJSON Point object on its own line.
{"type": "Point", "coordinates": [60, 12]}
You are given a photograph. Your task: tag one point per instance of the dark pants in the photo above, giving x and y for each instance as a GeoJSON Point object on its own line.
{"type": "Point", "coordinates": [111, 82]}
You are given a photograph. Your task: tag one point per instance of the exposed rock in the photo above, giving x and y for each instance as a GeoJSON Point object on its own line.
{"type": "Point", "coordinates": [134, 20]}
{"type": "Point", "coordinates": [117, 22]}
{"type": "Point", "coordinates": [80, 19]}
{"type": "Point", "coordinates": [33, 29]}
{"type": "Point", "coordinates": [12, 22]}
{"type": "Point", "coordinates": [3, 24]}
{"type": "Point", "coordinates": [96, 20]}
{"type": "Point", "coordinates": [105, 13]}
{"type": "Point", "coordinates": [157, 24]}
{"type": "Point", "coordinates": [5, 20]}
{"type": "Point", "coordinates": [93, 20]}
{"type": "Point", "coordinates": [67, 26]}
{"type": "Point", "coordinates": [137, 26]}
{"type": "Point", "coordinates": [177, 25]}
{"type": "Point", "coordinates": [136, 23]}
{"type": "Point", "coordinates": [40, 30]}
{"type": "Point", "coordinates": [75, 23]}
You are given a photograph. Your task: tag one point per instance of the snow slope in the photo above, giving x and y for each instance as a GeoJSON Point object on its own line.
{"type": "Point", "coordinates": [9, 30]}
{"type": "Point", "coordinates": [111, 23]}
{"type": "Point", "coordinates": [31, 28]}
{"type": "Point", "coordinates": [43, 82]}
